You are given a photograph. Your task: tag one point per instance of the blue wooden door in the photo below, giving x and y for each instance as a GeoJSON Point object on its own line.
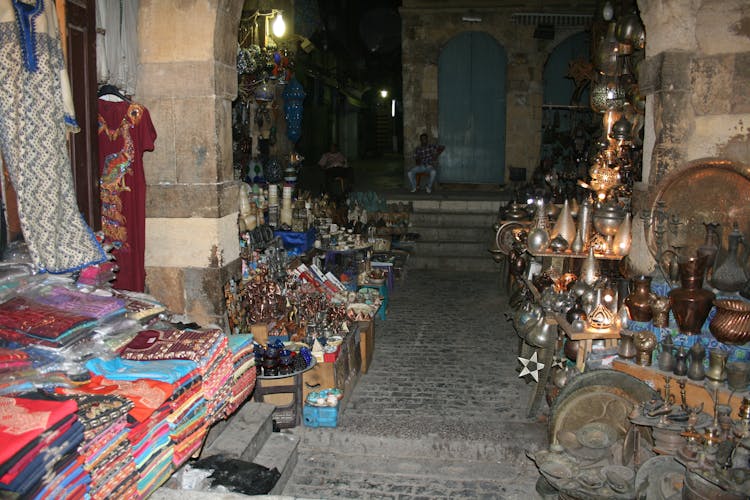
{"type": "Point", "coordinates": [471, 96]}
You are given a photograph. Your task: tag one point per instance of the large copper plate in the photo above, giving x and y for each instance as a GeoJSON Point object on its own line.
{"type": "Point", "coordinates": [705, 191]}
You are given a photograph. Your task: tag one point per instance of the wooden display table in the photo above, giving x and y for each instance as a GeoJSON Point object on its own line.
{"type": "Point", "coordinates": [695, 391]}
{"type": "Point", "coordinates": [586, 338]}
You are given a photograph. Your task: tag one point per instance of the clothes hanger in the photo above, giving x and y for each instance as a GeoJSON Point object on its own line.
{"type": "Point", "coordinates": [111, 90]}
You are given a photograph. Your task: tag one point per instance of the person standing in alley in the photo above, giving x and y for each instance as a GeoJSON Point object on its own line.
{"type": "Point", "coordinates": [426, 160]}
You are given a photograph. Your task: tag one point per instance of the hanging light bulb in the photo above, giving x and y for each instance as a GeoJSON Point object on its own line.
{"type": "Point", "coordinates": [279, 26]}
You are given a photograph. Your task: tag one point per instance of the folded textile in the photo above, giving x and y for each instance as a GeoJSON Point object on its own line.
{"type": "Point", "coordinates": [171, 344]}
{"type": "Point", "coordinates": [169, 371]}
{"type": "Point", "coordinates": [145, 395]}
{"type": "Point", "coordinates": [22, 420]}
{"type": "Point", "coordinates": [87, 304]}
{"type": "Point", "coordinates": [39, 320]}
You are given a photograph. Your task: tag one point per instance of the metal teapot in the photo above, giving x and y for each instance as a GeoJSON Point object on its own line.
{"type": "Point", "coordinates": [544, 334]}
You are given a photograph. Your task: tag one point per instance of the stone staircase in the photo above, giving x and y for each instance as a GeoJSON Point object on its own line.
{"type": "Point", "coordinates": [453, 234]}
{"type": "Point", "coordinates": [247, 435]}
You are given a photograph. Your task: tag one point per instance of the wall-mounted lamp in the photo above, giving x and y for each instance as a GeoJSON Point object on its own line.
{"type": "Point", "coordinates": [383, 93]}
{"type": "Point", "coordinates": [471, 18]}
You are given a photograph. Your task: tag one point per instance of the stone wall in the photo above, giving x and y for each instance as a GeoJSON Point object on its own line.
{"type": "Point", "coordinates": [187, 78]}
{"type": "Point", "coordinates": [426, 28]}
{"type": "Point", "coordinates": [696, 78]}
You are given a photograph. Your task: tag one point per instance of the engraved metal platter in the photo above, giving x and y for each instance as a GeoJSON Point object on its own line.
{"type": "Point", "coordinates": [708, 190]}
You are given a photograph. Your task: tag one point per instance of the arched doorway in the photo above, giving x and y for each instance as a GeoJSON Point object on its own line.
{"type": "Point", "coordinates": [471, 96]}
{"type": "Point", "coordinates": [567, 118]}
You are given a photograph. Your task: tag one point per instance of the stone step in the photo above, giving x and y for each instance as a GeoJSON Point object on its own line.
{"type": "Point", "coordinates": [456, 233]}
{"type": "Point", "coordinates": [280, 451]}
{"type": "Point", "coordinates": [243, 434]}
{"type": "Point", "coordinates": [456, 206]}
{"type": "Point", "coordinates": [427, 467]}
{"type": "Point", "coordinates": [465, 263]}
{"type": "Point", "coordinates": [445, 219]}
{"type": "Point", "coordinates": [498, 441]}
{"type": "Point", "coordinates": [448, 248]}
{"type": "Point", "coordinates": [373, 476]}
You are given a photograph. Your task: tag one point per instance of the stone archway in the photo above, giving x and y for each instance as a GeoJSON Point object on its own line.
{"type": "Point", "coordinates": [187, 78]}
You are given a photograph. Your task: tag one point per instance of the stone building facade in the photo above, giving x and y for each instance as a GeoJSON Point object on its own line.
{"type": "Point", "coordinates": [695, 77]}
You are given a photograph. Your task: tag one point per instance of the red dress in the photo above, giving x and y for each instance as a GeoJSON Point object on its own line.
{"type": "Point", "coordinates": [125, 132]}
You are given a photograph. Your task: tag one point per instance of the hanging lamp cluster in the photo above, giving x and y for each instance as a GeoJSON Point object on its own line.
{"type": "Point", "coordinates": [616, 96]}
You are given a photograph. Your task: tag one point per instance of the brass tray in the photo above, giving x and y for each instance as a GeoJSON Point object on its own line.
{"type": "Point", "coordinates": [707, 190]}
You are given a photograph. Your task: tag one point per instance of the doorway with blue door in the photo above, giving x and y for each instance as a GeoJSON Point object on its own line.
{"type": "Point", "coordinates": [472, 109]}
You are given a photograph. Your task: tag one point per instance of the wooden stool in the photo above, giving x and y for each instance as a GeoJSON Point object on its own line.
{"type": "Point", "coordinates": [423, 176]}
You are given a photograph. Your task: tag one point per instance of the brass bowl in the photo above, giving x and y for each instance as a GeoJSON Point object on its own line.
{"type": "Point", "coordinates": [731, 324]}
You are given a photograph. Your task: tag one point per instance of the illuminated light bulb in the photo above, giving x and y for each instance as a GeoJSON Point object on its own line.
{"type": "Point", "coordinates": [279, 26]}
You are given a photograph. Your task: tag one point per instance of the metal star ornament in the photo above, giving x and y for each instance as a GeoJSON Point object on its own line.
{"type": "Point", "coordinates": [536, 367]}
{"type": "Point", "coordinates": [558, 362]}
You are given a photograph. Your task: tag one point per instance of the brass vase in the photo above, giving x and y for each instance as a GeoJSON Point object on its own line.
{"type": "Point", "coordinates": [717, 365]}
{"type": "Point", "coordinates": [660, 311]}
{"type": "Point", "coordinates": [564, 226]}
{"type": "Point", "coordinates": [691, 303]}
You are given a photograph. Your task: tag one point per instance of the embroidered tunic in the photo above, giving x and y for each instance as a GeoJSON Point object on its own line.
{"type": "Point", "coordinates": [125, 132]}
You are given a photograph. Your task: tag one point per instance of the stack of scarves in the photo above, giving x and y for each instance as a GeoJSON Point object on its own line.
{"type": "Point", "coordinates": [188, 418]}
{"type": "Point", "coordinates": [106, 451]}
{"type": "Point", "coordinates": [39, 457]}
{"type": "Point", "coordinates": [244, 373]}
{"type": "Point", "coordinates": [153, 384]}
{"type": "Point", "coordinates": [216, 368]}
{"type": "Point", "coordinates": [207, 347]}
{"type": "Point", "coordinates": [152, 450]}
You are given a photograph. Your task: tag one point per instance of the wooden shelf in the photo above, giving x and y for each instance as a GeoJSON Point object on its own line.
{"type": "Point", "coordinates": [571, 255]}
{"type": "Point", "coordinates": [695, 391]}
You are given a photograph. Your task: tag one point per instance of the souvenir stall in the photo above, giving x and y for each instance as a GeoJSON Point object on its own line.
{"type": "Point", "coordinates": [634, 327]}
{"type": "Point", "coordinates": [102, 394]}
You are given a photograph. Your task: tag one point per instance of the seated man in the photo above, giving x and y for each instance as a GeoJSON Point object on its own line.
{"type": "Point", "coordinates": [334, 165]}
{"type": "Point", "coordinates": [426, 160]}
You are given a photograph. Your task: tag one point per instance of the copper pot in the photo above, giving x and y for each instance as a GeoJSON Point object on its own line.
{"type": "Point", "coordinates": [731, 324]}
{"type": "Point", "coordinates": [640, 298]}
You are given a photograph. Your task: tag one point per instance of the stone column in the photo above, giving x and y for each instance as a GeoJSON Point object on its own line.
{"type": "Point", "coordinates": [695, 77]}
{"type": "Point", "coordinates": [187, 78]}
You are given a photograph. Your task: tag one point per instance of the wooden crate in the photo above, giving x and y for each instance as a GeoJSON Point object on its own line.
{"type": "Point", "coordinates": [336, 374]}
{"type": "Point", "coordinates": [366, 343]}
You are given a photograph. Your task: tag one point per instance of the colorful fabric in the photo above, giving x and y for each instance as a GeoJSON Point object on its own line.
{"type": "Point", "coordinates": [39, 320]}
{"type": "Point", "coordinates": [137, 307]}
{"type": "Point", "coordinates": [13, 359]}
{"type": "Point", "coordinates": [146, 395]}
{"type": "Point", "coordinates": [34, 145]}
{"type": "Point", "coordinates": [171, 344]}
{"type": "Point", "coordinates": [22, 420]}
{"type": "Point", "coordinates": [169, 371]}
{"type": "Point", "coordinates": [125, 132]}
{"type": "Point", "coordinates": [86, 304]}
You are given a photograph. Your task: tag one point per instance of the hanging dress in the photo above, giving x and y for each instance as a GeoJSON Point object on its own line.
{"type": "Point", "coordinates": [125, 132]}
{"type": "Point", "coordinates": [35, 109]}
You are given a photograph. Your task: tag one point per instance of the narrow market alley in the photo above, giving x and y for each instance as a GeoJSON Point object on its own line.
{"type": "Point", "coordinates": [441, 413]}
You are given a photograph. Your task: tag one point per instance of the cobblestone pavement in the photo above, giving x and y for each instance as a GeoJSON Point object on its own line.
{"type": "Point", "coordinates": [441, 412]}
